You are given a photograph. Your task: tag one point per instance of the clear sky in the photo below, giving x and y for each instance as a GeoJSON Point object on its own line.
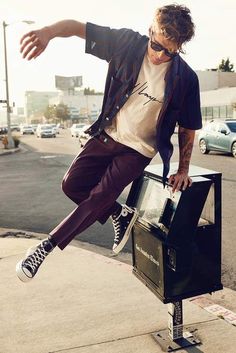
{"type": "Point", "coordinates": [214, 39]}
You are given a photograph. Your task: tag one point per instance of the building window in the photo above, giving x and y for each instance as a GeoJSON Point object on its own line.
{"type": "Point", "coordinates": [229, 112]}
{"type": "Point", "coordinates": [216, 112]}
{"type": "Point", "coordinates": [223, 112]}
{"type": "Point", "coordinates": [209, 112]}
{"type": "Point", "coordinates": [203, 111]}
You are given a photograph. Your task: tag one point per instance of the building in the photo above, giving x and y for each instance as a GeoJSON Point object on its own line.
{"type": "Point", "coordinates": [211, 80]}
{"type": "Point", "coordinates": [82, 108]}
{"type": "Point", "coordinates": [218, 95]}
{"type": "Point", "coordinates": [36, 103]}
{"type": "Point", "coordinates": [218, 98]}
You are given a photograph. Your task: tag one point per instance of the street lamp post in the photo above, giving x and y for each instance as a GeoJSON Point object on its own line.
{"type": "Point", "coordinates": [9, 135]}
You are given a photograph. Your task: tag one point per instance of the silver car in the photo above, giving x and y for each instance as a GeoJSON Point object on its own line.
{"type": "Point", "coordinates": [218, 136]}
{"type": "Point", "coordinates": [45, 130]}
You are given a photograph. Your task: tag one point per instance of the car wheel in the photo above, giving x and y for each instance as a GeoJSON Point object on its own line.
{"type": "Point", "coordinates": [203, 147]}
{"type": "Point", "coordinates": [233, 149]}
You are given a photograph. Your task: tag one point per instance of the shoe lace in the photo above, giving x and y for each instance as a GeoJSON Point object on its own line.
{"type": "Point", "coordinates": [116, 226]}
{"type": "Point", "coordinates": [117, 222]}
{"type": "Point", "coordinates": [35, 260]}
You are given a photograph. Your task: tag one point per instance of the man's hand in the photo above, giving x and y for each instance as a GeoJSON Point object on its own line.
{"type": "Point", "coordinates": [179, 181]}
{"type": "Point", "coordinates": [34, 43]}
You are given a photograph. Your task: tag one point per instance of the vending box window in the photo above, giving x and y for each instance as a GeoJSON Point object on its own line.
{"type": "Point", "coordinates": [176, 239]}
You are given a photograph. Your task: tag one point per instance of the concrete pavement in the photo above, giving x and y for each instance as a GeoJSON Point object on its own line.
{"type": "Point", "coordinates": [4, 151]}
{"type": "Point", "coordinates": [83, 302]}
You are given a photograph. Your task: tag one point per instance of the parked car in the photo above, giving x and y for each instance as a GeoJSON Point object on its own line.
{"type": "Point", "coordinates": [15, 127]}
{"type": "Point", "coordinates": [76, 129]}
{"type": "Point", "coordinates": [55, 127]}
{"type": "Point", "coordinates": [83, 137]}
{"type": "Point", "coordinates": [26, 130]}
{"type": "Point", "coordinates": [3, 130]}
{"type": "Point", "coordinates": [34, 126]}
{"type": "Point", "coordinates": [218, 136]}
{"type": "Point", "coordinates": [45, 130]}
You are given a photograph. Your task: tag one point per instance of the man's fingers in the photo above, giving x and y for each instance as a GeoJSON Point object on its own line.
{"type": "Point", "coordinates": [29, 34]}
{"type": "Point", "coordinates": [171, 179]}
{"type": "Point", "coordinates": [25, 43]}
{"type": "Point", "coordinates": [29, 49]}
{"type": "Point", "coordinates": [177, 185]}
{"type": "Point", "coordinates": [39, 52]}
{"type": "Point", "coordinates": [36, 52]}
{"type": "Point", "coordinates": [190, 182]}
{"type": "Point", "coordinates": [179, 181]}
{"type": "Point", "coordinates": [185, 183]}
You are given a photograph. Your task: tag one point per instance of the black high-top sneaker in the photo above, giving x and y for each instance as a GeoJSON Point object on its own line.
{"type": "Point", "coordinates": [27, 268]}
{"type": "Point", "coordinates": [122, 225]}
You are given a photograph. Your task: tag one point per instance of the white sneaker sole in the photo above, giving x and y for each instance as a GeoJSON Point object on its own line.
{"type": "Point", "coordinates": [119, 247]}
{"type": "Point", "coordinates": [21, 274]}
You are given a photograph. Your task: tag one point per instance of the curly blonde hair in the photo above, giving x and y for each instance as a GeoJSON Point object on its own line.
{"type": "Point", "coordinates": [175, 23]}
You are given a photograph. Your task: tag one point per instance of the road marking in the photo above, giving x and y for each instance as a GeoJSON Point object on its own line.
{"type": "Point", "coordinates": [46, 157]}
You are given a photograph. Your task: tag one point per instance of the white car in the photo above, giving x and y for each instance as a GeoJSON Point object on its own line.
{"type": "Point", "coordinates": [76, 129]}
{"type": "Point", "coordinates": [34, 126]}
{"type": "Point", "coordinates": [83, 137]}
{"type": "Point", "coordinates": [45, 130]}
{"type": "Point", "coordinates": [26, 129]}
{"type": "Point", "coordinates": [56, 128]}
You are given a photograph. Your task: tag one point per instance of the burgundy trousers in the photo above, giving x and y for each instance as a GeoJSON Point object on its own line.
{"type": "Point", "coordinates": [95, 179]}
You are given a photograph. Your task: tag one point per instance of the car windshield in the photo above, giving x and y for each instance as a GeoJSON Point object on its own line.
{"type": "Point", "coordinates": [232, 126]}
{"type": "Point", "coordinates": [79, 126]}
{"type": "Point", "coordinates": [46, 127]}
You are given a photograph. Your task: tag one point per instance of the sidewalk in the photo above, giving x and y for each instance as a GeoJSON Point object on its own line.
{"type": "Point", "coordinates": [4, 151]}
{"type": "Point", "coordinates": [84, 302]}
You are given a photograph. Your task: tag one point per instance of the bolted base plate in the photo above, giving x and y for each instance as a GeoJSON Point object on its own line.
{"type": "Point", "coordinates": [168, 345]}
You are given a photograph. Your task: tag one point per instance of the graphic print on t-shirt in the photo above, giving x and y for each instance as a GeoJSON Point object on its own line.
{"type": "Point", "coordinates": [141, 90]}
{"type": "Point", "coordinates": [135, 123]}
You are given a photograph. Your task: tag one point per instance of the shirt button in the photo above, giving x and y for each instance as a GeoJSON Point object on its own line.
{"type": "Point", "coordinates": [127, 96]}
{"type": "Point", "coordinates": [107, 118]}
{"type": "Point", "coordinates": [117, 107]}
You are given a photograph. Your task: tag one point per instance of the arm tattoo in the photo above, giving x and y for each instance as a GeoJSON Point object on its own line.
{"type": "Point", "coordinates": [186, 138]}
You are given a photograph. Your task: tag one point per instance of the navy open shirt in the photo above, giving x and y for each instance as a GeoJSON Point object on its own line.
{"type": "Point", "coordinates": [124, 50]}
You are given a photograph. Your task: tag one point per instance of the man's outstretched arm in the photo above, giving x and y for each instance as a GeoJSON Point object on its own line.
{"type": "Point", "coordinates": [181, 180]}
{"type": "Point", "coordinates": [35, 42]}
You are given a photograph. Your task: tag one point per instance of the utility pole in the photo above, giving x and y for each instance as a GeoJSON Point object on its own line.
{"type": "Point", "coordinates": [9, 135]}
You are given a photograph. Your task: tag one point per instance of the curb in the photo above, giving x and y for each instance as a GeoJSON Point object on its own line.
{"type": "Point", "coordinates": [6, 152]}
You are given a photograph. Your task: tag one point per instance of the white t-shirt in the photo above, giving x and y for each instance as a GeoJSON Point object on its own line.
{"type": "Point", "coordinates": [135, 123]}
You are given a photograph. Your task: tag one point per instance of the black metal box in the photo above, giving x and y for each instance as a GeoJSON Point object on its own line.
{"type": "Point", "coordinates": [177, 238]}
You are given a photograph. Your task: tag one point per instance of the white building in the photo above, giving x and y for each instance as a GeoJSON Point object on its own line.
{"type": "Point", "coordinates": [211, 80]}
{"type": "Point", "coordinates": [82, 107]}
{"type": "Point", "coordinates": [36, 103]}
{"type": "Point", "coordinates": [218, 94]}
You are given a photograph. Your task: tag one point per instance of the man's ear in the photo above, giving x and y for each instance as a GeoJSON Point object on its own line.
{"type": "Point", "coordinates": [150, 31]}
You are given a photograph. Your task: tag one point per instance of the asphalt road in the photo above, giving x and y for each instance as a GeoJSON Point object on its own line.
{"type": "Point", "coordinates": [32, 200]}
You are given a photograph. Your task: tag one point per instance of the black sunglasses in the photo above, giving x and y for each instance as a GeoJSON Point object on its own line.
{"type": "Point", "coordinates": [158, 47]}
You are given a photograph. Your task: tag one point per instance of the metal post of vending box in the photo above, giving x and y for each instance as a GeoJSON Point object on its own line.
{"type": "Point", "coordinates": [174, 338]}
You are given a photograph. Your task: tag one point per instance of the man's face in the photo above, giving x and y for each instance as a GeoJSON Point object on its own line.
{"type": "Point", "coordinates": [165, 45]}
